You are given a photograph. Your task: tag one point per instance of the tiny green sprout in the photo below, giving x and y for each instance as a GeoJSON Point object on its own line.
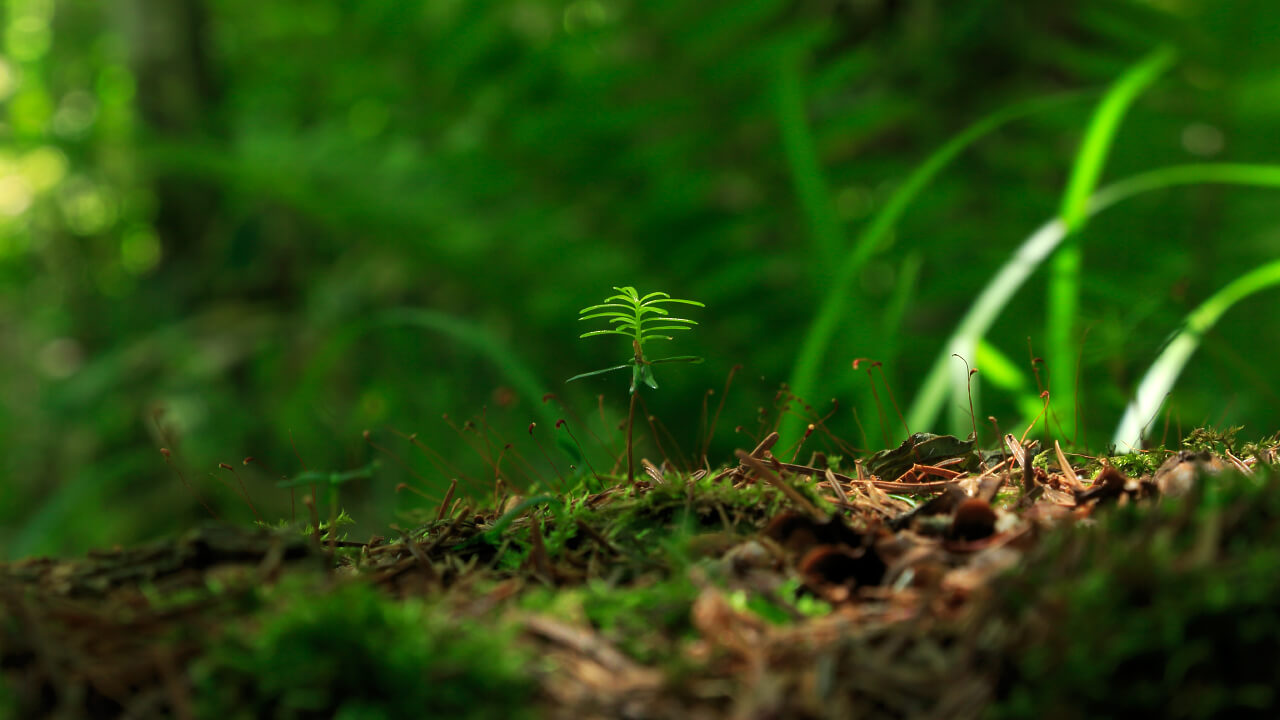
{"type": "Point", "coordinates": [333, 480]}
{"type": "Point", "coordinates": [626, 313]}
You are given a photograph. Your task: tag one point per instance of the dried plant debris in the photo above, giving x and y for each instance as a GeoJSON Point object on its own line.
{"type": "Point", "coordinates": [935, 581]}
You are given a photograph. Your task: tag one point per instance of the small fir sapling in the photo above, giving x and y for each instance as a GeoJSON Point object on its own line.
{"type": "Point", "coordinates": [626, 313]}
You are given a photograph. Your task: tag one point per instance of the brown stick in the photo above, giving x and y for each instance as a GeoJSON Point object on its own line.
{"type": "Point", "coordinates": [792, 494]}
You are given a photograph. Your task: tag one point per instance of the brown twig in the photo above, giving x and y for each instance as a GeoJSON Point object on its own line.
{"type": "Point", "coordinates": [791, 493]}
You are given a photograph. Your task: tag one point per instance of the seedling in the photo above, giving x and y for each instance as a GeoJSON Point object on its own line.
{"type": "Point", "coordinates": [333, 480]}
{"type": "Point", "coordinates": [626, 313]}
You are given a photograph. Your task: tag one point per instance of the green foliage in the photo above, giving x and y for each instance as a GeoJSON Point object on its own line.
{"type": "Point", "coordinates": [1219, 442]}
{"type": "Point", "coordinates": [626, 315]}
{"type": "Point", "coordinates": [1166, 368]}
{"type": "Point", "coordinates": [768, 608]}
{"type": "Point", "coordinates": [644, 616]}
{"type": "Point", "coordinates": [342, 519]}
{"type": "Point", "coordinates": [353, 653]}
{"type": "Point", "coordinates": [1138, 464]}
{"type": "Point", "coordinates": [215, 230]}
{"type": "Point", "coordinates": [1066, 269]}
{"type": "Point", "coordinates": [1162, 610]}
{"type": "Point", "coordinates": [704, 504]}
{"type": "Point", "coordinates": [836, 304]}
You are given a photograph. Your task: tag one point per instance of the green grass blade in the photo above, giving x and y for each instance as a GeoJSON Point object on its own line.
{"type": "Point", "coordinates": [834, 305]}
{"type": "Point", "coordinates": [318, 477]}
{"type": "Point", "coordinates": [1006, 375]}
{"type": "Point", "coordinates": [1163, 373]}
{"type": "Point", "coordinates": [801, 151]}
{"type": "Point", "coordinates": [890, 324]}
{"type": "Point", "coordinates": [1064, 277]}
{"type": "Point", "coordinates": [521, 377]}
{"type": "Point", "coordinates": [1092, 155]}
{"type": "Point", "coordinates": [944, 380]}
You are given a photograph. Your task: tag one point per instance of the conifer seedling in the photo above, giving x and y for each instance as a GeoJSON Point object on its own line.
{"type": "Point", "coordinates": [641, 319]}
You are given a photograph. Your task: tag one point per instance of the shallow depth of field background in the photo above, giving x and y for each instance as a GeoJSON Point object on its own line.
{"type": "Point", "coordinates": [206, 206]}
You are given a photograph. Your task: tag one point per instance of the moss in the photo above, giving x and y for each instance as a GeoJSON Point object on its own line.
{"type": "Point", "coordinates": [1164, 610]}
{"type": "Point", "coordinates": [1138, 464]}
{"type": "Point", "coordinates": [643, 619]}
{"type": "Point", "coordinates": [352, 652]}
{"type": "Point", "coordinates": [1214, 441]}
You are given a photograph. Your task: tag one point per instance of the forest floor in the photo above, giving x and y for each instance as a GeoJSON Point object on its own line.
{"type": "Point", "coordinates": [932, 580]}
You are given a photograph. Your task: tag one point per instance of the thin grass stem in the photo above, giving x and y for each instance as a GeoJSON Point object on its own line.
{"type": "Point", "coordinates": [1163, 373]}
{"type": "Point", "coordinates": [834, 309]}
{"type": "Point", "coordinates": [1064, 275]}
{"type": "Point", "coordinates": [943, 380]}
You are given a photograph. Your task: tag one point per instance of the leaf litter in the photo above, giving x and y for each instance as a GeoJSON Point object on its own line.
{"type": "Point", "coordinates": [768, 589]}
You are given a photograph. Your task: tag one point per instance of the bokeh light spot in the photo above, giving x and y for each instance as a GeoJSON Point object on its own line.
{"type": "Point", "coordinates": [75, 114]}
{"type": "Point", "coordinates": [373, 406]}
{"type": "Point", "coordinates": [44, 168]}
{"type": "Point", "coordinates": [16, 195]}
{"type": "Point", "coordinates": [139, 250]}
{"type": "Point", "coordinates": [29, 111]}
{"type": "Point", "coordinates": [1203, 140]}
{"type": "Point", "coordinates": [60, 358]}
{"type": "Point", "coordinates": [8, 79]}
{"type": "Point", "coordinates": [86, 207]}
{"type": "Point", "coordinates": [27, 38]}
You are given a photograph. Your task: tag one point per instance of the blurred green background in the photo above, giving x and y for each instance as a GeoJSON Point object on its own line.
{"type": "Point", "coordinates": [207, 208]}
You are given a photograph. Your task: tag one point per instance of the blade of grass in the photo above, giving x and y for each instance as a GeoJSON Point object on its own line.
{"type": "Point", "coordinates": [997, 293]}
{"type": "Point", "coordinates": [1163, 373]}
{"type": "Point", "coordinates": [834, 306]}
{"type": "Point", "coordinates": [522, 378]}
{"type": "Point", "coordinates": [891, 318]}
{"type": "Point", "coordinates": [802, 156]}
{"type": "Point", "coordinates": [1064, 275]}
{"type": "Point", "coordinates": [1004, 374]}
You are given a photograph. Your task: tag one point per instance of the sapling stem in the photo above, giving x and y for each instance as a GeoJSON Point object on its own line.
{"type": "Point", "coordinates": [631, 416]}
